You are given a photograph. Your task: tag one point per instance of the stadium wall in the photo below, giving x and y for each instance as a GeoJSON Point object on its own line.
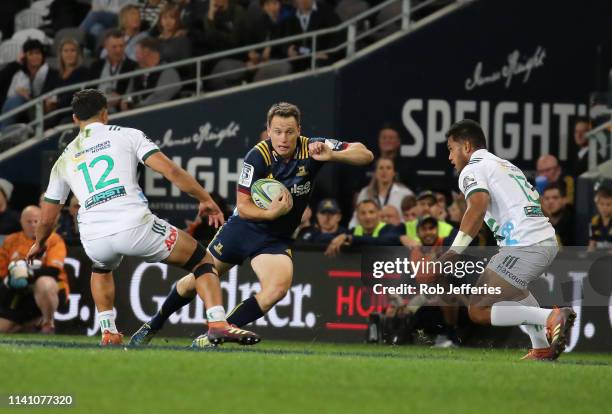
{"type": "Point", "coordinates": [327, 301]}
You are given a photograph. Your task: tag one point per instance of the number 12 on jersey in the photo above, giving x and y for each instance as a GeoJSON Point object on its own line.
{"type": "Point", "coordinates": [102, 181]}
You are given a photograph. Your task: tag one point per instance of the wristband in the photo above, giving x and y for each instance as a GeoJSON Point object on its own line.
{"type": "Point", "coordinates": [462, 240]}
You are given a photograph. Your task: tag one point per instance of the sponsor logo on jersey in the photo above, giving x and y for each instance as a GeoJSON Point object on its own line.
{"type": "Point", "coordinates": [246, 176]}
{"type": "Point", "coordinates": [218, 248]}
{"type": "Point", "coordinates": [105, 196]}
{"type": "Point", "coordinates": [469, 181]}
{"type": "Point", "coordinates": [96, 148]}
{"type": "Point", "coordinates": [300, 190]}
{"type": "Point", "coordinates": [302, 171]}
{"type": "Point", "coordinates": [171, 239]}
{"type": "Point", "coordinates": [533, 211]}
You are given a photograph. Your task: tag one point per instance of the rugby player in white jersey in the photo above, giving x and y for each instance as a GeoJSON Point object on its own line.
{"type": "Point", "coordinates": [498, 193]}
{"type": "Point", "coordinates": [99, 167]}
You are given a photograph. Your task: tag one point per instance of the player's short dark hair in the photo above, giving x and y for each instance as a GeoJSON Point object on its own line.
{"type": "Point", "coordinates": [150, 43]}
{"type": "Point", "coordinates": [368, 201]}
{"type": "Point", "coordinates": [88, 103]}
{"type": "Point", "coordinates": [555, 186]}
{"type": "Point", "coordinates": [262, 2]}
{"type": "Point", "coordinates": [468, 130]}
{"type": "Point", "coordinates": [284, 110]}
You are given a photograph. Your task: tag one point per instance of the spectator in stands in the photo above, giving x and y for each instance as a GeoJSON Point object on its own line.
{"type": "Point", "coordinates": [389, 145]}
{"type": "Point", "coordinates": [265, 27]}
{"type": "Point", "coordinates": [115, 63]}
{"type": "Point", "coordinates": [130, 24]}
{"type": "Point", "coordinates": [429, 250]}
{"type": "Point", "coordinates": [68, 225]}
{"type": "Point", "coordinates": [104, 15]}
{"type": "Point", "coordinates": [149, 13]}
{"type": "Point", "coordinates": [154, 87]}
{"type": "Point", "coordinates": [9, 219]}
{"type": "Point", "coordinates": [33, 292]}
{"type": "Point", "coordinates": [383, 187]}
{"type": "Point", "coordinates": [327, 226]}
{"type": "Point", "coordinates": [174, 44]}
{"type": "Point", "coordinates": [224, 27]}
{"type": "Point", "coordinates": [369, 231]}
{"type": "Point", "coordinates": [426, 201]}
{"type": "Point", "coordinates": [310, 16]}
{"type": "Point", "coordinates": [30, 75]}
{"type": "Point", "coordinates": [549, 171]}
{"type": "Point", "coordinates": [409, 207]}
{"type": "Point", "coordinates": [71, 71]}
{"type": "Point", "coordinates": [560, 214]}
{"type": "Point", "coordinates": [600, 231]}
{"type": "Point", "coordinates": [580, 159]}
{"type": "Point", "coordinates": [390, 215]}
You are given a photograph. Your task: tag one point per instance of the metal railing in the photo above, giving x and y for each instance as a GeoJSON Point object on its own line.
{"type": "Point", "coordinates": [599, 138]}
{"type": "Point", "coordinates": [343, 41]}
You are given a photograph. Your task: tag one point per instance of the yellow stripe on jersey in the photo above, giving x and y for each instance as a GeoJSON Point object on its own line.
{"type": "Point", "coordinates": [304, 154]}
{"type": "Point", "coordinates": [263, 149]}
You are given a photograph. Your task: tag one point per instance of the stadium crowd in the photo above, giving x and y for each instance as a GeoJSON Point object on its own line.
{"type": "Point", "coordinates": [102, 38]}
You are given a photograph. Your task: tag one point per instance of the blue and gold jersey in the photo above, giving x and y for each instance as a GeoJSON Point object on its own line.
{"type": "Point", "coordinates": [296, 173]}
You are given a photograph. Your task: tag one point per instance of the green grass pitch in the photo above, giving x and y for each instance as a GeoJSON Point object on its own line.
{"type": "Point", "coordinates": [284, 377]}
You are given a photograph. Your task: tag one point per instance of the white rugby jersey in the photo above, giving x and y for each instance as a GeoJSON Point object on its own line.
{"type": "Point", "coordinates": [514, 214]}
{"type": "Point", "coordinates": [99, 166]}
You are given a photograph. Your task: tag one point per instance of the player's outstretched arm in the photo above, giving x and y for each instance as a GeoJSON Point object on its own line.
{"type": "Point", "coordinates": [355, 153]}
{"type": "Point", "coordinates": [249, 211]}
{"type": "Point", "coordinates": [176, 175]}
{"type": "Point", "coordinates": [48, 219]}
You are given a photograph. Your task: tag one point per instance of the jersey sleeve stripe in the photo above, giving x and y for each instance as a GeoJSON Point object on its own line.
{"type": "Point", "coordinates": [476, 190]}
{"type": "Point", "coordinates": [52, 201]}
{"type": "Point", "coordinates": [148, 154]}
{"type": "Point", "coordinates": [264, 152]}
{"type": "Point", "coordinates": [304, 147]}
{"type": "Point", "coordinates": [244, 190]}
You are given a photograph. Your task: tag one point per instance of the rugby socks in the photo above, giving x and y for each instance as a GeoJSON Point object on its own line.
{"type": "Point", "coordinates": [216, 316]}
{"type": "Point", "coordinates": [173, 302]}
{"type": "Point", "coordinates": [107, 321]}
{"type": "Point", "coordinates": [537, 333]}
{"type": "Point", "coordinates": [514, 313]}
{"type": "Point", "coordinates": [245, 313]}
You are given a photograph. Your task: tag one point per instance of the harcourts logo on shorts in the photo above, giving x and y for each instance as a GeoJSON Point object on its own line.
{"type": "Point", "coordinates": [300, 190]}
{"type": "Point", "coordinates": [504, 267]}
{"type": "Point", "coordinates": [171, 239]}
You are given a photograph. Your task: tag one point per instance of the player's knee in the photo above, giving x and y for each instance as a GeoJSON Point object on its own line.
{"type": "Point", "coordinates": [45, 285]}
{"type": "Point", "coordinates": [186, 286]}
{"type": "Point", "coordinates": [478, 314]}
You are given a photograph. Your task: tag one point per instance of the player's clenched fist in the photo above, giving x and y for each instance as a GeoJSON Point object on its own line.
{"type": "Point", "coordinates": [319, 151]}
{"type": "Point", "coordinates": [281, 205]}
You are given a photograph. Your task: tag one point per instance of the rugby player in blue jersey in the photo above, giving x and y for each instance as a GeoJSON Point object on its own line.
{"type": "Point", "coordinates": [264, 236]}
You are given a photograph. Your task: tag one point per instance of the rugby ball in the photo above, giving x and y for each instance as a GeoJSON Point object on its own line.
{"type": "Point", "coordinates": [264, 190]}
